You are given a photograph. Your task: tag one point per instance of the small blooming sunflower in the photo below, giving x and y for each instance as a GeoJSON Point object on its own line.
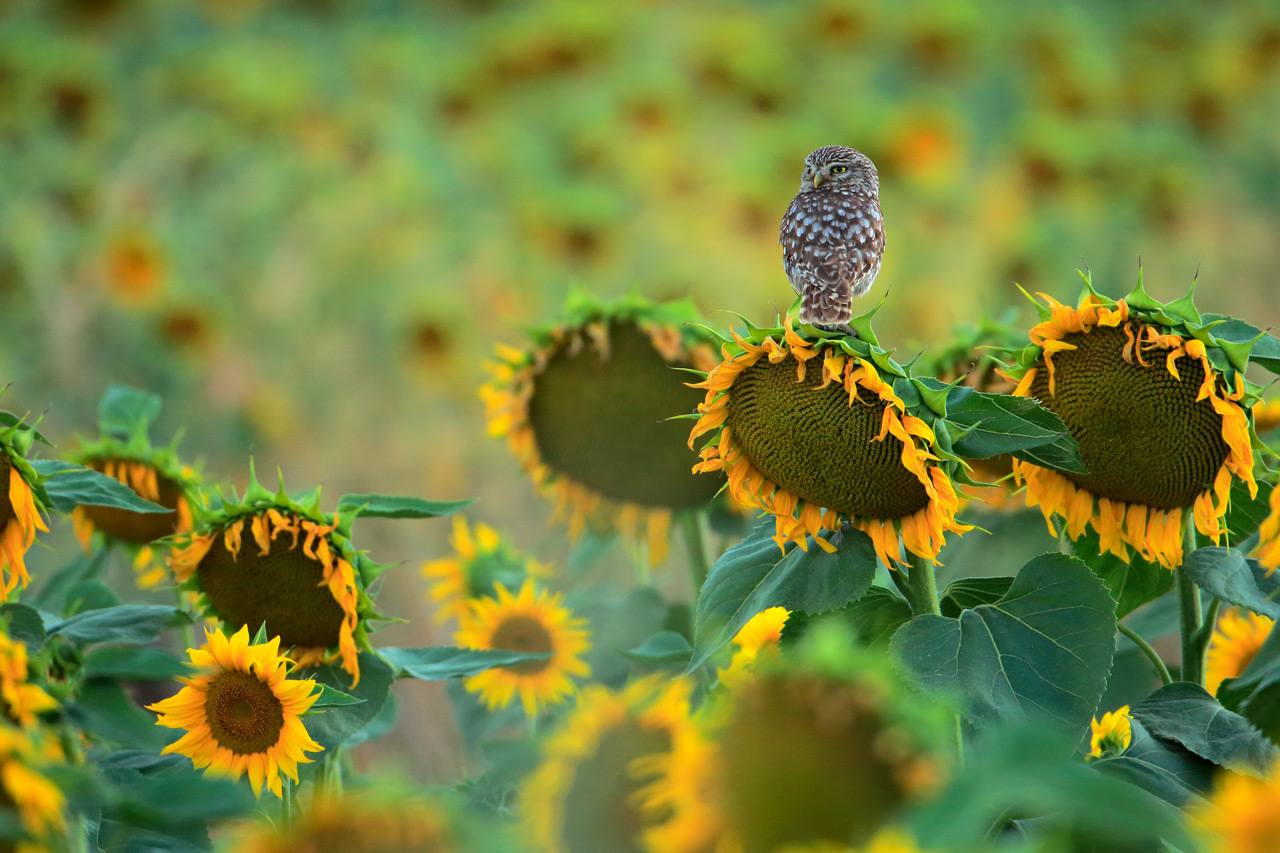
{"type": "Point", "coordinates": [481, 561]}
{"type": "Point", "coordinates": [22, 700]}
{"type": "Point", "coordinates": [1242, 815]}
{"type": "Point", "coordinates": [21, 505]}
{"type": "Point", "coordinates": [357, 823]}
{"type": "Point", "coordinates": [241, 711]}
{"type": "Point", "coordinates": [1237, 638]}
{"type": "Point", "coordinates": [280, 561]}
{"type": "Point", "coordinates": [534, 621]}
{"type": "Point", "coordinates": [587, 411]}
{"type": "Point", "coordinates": [1112, 734]}
{"type": "Point", "coordinates": [808, 429]}
{"type": "Point", "coordinates": [39, 804]}
{"type": "Point", "coordinates": [762, 631]}
{"type": "Point", "coordinates": [1158, 406]}
{"type": "Point", "coordinates": [600, 783]}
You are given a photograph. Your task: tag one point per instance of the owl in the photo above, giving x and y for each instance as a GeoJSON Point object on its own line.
{"type": "Point", "coordinates": [832, 235]}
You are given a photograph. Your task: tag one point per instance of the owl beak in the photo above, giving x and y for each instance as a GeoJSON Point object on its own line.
{"type": "Point", "coordinates": [818, 178]}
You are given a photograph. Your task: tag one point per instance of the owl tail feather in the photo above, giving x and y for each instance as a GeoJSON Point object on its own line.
{"type": "Point", "coordinates": [822, 308]}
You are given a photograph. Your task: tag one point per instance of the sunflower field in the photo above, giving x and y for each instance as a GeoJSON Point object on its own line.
{"type": "Point", "coordinates": [409, 440]}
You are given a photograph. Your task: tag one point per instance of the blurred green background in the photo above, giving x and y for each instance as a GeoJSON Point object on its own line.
{"type": "Point", "coordinates": [306, 224]}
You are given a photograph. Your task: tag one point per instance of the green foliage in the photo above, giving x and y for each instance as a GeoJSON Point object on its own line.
{"type": "Point", "coordinates": [1229, 575]}
{"type": "Point", "coordinates": [1132, 583]}
{"type": "Point", "coordinates": [393, 506]}
{"type": "Point", "coordinates": [69, 486]}
{"type": "Point", "coordinates": [440, 663]}
{"type": "Point", "coordinates": [126, 623]}
{"type": "Point", "coordinates": [1187, 715]}
{"type": "Point", "coordinates": [997, 424]}
{"type": "Point", "coordinates": [125, 412]}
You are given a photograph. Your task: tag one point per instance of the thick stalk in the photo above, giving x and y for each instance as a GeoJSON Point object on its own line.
{"type": "Point", "coordinates": [287, 805]}
{"type": "Point", "coordinates": [922, 586]}
{"type": "Point", "coordinates": [1189, 609]}
{"type": "Point", "coordinates": [695, 541]}
{"type": "Point", "coordinates": [1146, 649]}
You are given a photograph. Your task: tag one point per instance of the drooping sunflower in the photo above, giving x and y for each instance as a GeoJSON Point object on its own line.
{"type": "Point", "coordinates": [602, 775]}
{"type": "Point", "coordinates": [368, 822]}
{"type": "Point", "coordinates": [1237, 638]}
{"type": "Point", "coordinates": [481, 561]}
{"type": "Point", "coordinates": [39, 805]}
{"type": "Point", "coordinates": [532, 620]}
{"type": "Point", "coordinates": [241, 711]}
{"type": "Point", "coordinates": [762, 631]}
{"type": "Point", "coordinates": [21, 504]}
{"type": "Point", "coordinates": [823, 747]}
{"type": "Point", "coordinates": [807, 429]}
{"type": "Point", "coordinates": [22, 699]}
{"type": "Point", "coordinates": [586, 412]}
{"type": "Point", "coordinates": [1242, 815]}
{"type": "Point", "coordinates": [278, 560]}
{"type": "Point", "coordinates": [1159, 407]}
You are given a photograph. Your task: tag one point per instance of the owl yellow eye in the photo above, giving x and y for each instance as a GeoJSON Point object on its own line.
{"type": "Point", "coordinates": [839, 170]}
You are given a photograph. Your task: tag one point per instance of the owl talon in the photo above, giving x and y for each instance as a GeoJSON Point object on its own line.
{"type": "Point", "coordinates": [837, 328]}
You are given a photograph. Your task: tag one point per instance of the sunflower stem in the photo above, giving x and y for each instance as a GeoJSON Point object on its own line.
{"type": "Point", "coordinates": [1146, 649]}
{"type": "Point", "coordinates": [286, 806]}
{"type": "Point", "coordinates": [1189, 609]}
{"type": "Point", "coordinates": [922, 585]}
{"type": "Point", "coordinates": [695, 540]}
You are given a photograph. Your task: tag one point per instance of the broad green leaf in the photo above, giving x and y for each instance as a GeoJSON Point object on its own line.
{"type": "Point", "coordinates": [972, 592]}
{"type": "Point", "coordinates": [1044, 649]}
{"type": "Point", "coordinates": [331, 727]}
{"type": "Point", "coordinates": [24, 624]}
{"type": "Point", "coordinates": [380, 726]}
{"type": "Point", "coordinates": [104, 709]}
{"type": "Point", "coordinates": [619, 619]}
{"type": "Point", "coordinates": [1246, 514]}
{"type": "Point", "coordinates": [437, 663]}
{"type": "Point", "coordinates": [181, 796]}
{"type": "Point", "coordinates": [127, 623]}
{"type": "Point", "coordinates": [1266, 351]}
{"type": "Point", "coordinates": [392, 506]}
{"type": "Point", "coordinates": [52, 593]}
{"type": "Point", "coordinates": [9, 419]}
{"type": "Point", "coordinates": [873, 618]}
{"type": "Point", "coordinates": [1164, 769]}
{"type": "Point", "coordinates": [125, 412]}
{"type": "Point", "coordinates": [89, 594]}
{"type": "Point", "coordinates": [133, 663]}
{"type": "Point", "coordinates": [70, 486]}
{"type": "Point", "coordinates": [754, 575]}
{"type": "Point", "coordinates": [663, 647]}
{"type": "Point", "coordinates": [1226, 573]}
{"type": "Point", "coordinates": [1132, 584]}
{"type": "Point", "coordinates": [999, 424]}
{"type": "Point", "coordinates": [1017, 537]}
{"type": "Point", "coordinates": [1186, 714]}
{"type": "Point", "coordinates": [332, 697]}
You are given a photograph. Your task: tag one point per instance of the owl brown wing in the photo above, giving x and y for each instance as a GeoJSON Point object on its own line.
{"type": "Point", "coordinates": [832, 247]}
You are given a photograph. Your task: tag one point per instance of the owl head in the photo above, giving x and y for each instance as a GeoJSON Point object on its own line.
{"type": "Point", "coordinates": [838, 165]}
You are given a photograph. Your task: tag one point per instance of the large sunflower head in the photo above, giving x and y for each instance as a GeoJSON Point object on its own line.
{"type": "Point", "coordinates": [602, 779]}
{"type": "Point", "coordinates": [366, 822]}
{"type": "Point", "coordinates": [124, 452]}
{"type": "Point", "coordinates": [22, 701]}
{"type": "Point", "coordinates": [1242, 815]}
{"type": "Point", "coordinates": [823, 747]}
{"type": "Point", "coordinates": [1237, 638]}
{"type": "Point", "coordinates": [586, 410]}
{"type": "Point", "coordinates": [22, 502]}
{"type": "Point", "coordinates": [241, 712]}
{"type": "Point", "coordinates": [36, 802]}
{"type": "Point", "coordinates": [1159, 406]}
{"type": "Point", "coordinates": [274, 559]}
{"type": "Point", "coordinates": [481, 562]}
{"type": "Point", "coordinates": [823, 431]}
{"type": "Point", "coordinates": [532, 620]}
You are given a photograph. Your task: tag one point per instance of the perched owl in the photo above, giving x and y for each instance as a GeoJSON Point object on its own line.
{"type": "Point", "coordinates": [833, 235]}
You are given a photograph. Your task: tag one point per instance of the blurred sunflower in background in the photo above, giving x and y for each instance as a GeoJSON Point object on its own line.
{"type": "Point", "coordinates": [241, 712]}
{"type": "Point", "coordinates": [481, 562]}
{"type": "Point", "coordinates": [28, 794]}
{"type": "Point", "coordinates": [123, 451]}
{"type": "Point", "coordinates": [587, 412]}
{"type": "Point", "coordinates": [532, 620]}
{"type": "Point", "coordinates": [761, 633]}
{"type": "Point", "coordinates": [1159, 407]}
{"type": "Point", "coordinates": [602, 774]}
{"type": "Point", "coordinates": [360, 822]}
{"type": "Point", "coordinates": [134, 267]}
{"type": "Point", "coordinates": [21, 506]}
{"type": "Point", "coordinates": [1242, 815]}
{"type": "Point", "coordinates": [807, 429]}
{"type": "Point", "coordinates": [1268, 551]}
{"type": "Point", "coordinates": [22, 699]}
{"type": "Point", "coordinates": [1237, 638]}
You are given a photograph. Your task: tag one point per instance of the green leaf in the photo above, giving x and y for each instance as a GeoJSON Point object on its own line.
{"type": "Point", "coordinates": [133, 664]}
{"type": "Point", "coordinates": [125, 412]}
{"type": "Point", "coordinates": [391, 506]}
{"type": "Point", "coordinates": [127, 623]}
{"type": "Point", "coordinates": [1044, 649]}
{"type": "Point", "coordinates": [52, 594]}
{"type": "Point", "coordinates": [103, 708]}
{"type": "Point", "coordinates": [1246, 514]}
{"type": "Point", "coordinates": [24, 624]}
{"type": "Point", "coordinates": [1132, 584]}
{"type": "Point", "coordinates": [1266, 352]}
{"type": "Point", "coordinates": [9, 419]}
{"type": "Point", "coordinates": [1164, 769]}
{"type": "Point", "coordinates": [998, 424]}
{"type": "Point", "coordinates": [1186, 714]}
{"type": "Point", "coordinates": [89, 594]}
{"type": "Point", "coordinates": [331, 727]}
{"type": "Point", "coordinates": [181, 796]}
{"type": "Point", "coordinates": [875, 616]}
{"type": "Point", "coordinates": [1226, 573]}
{"type": "Point", "coordinates": [663, 647]}
{"type": "Point", "coordinates": [972, 592]}
{"type": "Point", "coordinates": [437, 663]}
{"type": "Point", "coordinates": [332, 697]}
{"type": "Point", "coordinates": [70, 486]}
{"type": "Point", "coordinates": [754, 575]}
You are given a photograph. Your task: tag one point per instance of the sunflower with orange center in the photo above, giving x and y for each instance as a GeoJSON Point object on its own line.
{"type": "Point", "coordinates": [587, 409]}
{"type": "Point", "coordinates": [22, 503]}
{"type": "Point", "coordinates": [823, 431]}
{"type": "Point", "coordinates": [1160, 409]}
{"type": "Point", "coordinates": [532, 620]}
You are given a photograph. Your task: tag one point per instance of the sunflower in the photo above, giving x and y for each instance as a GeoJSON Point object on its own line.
{"type": "Point", "coordinates": [481, 560]}
{"type": "Point", "coordinates": [825, 747]}
{"type": "Point", "coordinates": [824, 444]}
{"type": "Point", "coordinates": [600, 781]}
{"type": "Point", "coordinates": [1158, 407]}
{"type": "Point", "coordinates": [39, 804]}
{"type": "Point", "coordinates": [762, 632]}
{"type": "Point", "coordinates": [134, 268]}
{"type": "Point", "coordinates": [586, 412]}
{"type": "Point", "coordinates": [1268, 552]}
{"type": "Point", "coordinates": [1242, 815]}
{"type": "Point", "coordinates": [1112, 734]}
{"type": "Point", "coordinates": [532, 620]}
{"type": "Point", "coordinates": [1266, 416]}
{"type": "Point", "coordinates": [275, 560]}
{"type": "Point", "coordinates": [356, 823]}
{"type": "Point", "coordinates": [22, 700]}
{"type": "Point", "coordinates": [241, 711]}
{"type": "Point", "coordinates": [21, 504]}
{"type": "Point", "coordinates": [1237, 637]}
